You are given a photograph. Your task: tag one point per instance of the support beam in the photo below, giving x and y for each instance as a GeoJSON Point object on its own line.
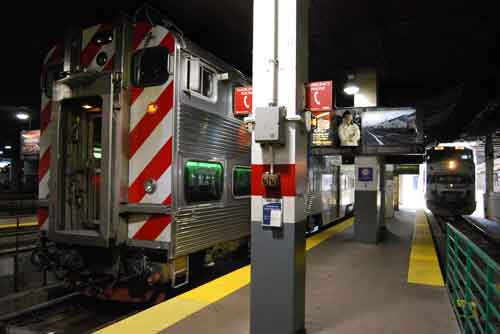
{"type": "Point", "coordinates": [368, 198]}
{"type": "Point", "coordinates": [489, 174]}
{"type": "Point", "coordinates": [280, 69]}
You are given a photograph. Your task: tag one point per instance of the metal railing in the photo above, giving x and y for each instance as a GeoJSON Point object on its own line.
{"type": "Point", "coordinates": [471, 278]}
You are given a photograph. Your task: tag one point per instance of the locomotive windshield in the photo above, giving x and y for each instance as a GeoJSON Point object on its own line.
{"type": "Point", "coordinates": [452, 179]}
{"type": "Point", "coordinates": [150, 67]}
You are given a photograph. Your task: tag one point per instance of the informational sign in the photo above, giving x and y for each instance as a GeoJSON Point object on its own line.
{"type": "Point", "coordinates": [322, 134]}
{"type": "Point", "coordinates": [30, 142]}
{"type": "Point", "coordinates": [319, 96]}
{"type": "Point", "coordinates": [365, 174]}
{"type": "Point", "coordinates": [272, 212]}
{"type": "Point", "coordinates": [242, 105]}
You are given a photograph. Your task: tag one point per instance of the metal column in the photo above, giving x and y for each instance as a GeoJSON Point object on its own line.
{"type": "Point", "coordinates": [369, 199]}
{"type": "Point", "coordinates": [280, 69]}
{"type": "Point", "coordinates": [489, 174]}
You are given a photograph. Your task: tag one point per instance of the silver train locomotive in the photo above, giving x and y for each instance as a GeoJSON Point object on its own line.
{"type": "Point", "coordinates": [450, 186]}
{"type": "Point", "coordinates": [144, 170]}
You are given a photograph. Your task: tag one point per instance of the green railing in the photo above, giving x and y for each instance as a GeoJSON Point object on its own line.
{"type": "Point", "coordinates": [472, 278]}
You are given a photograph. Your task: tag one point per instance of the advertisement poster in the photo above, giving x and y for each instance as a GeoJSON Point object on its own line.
{"type": "Point", "coordinates": [30, 142]}
{"type": "Point", "coordinates": [322, 129]}
{"type": "Point", "coordinates": [389, 128]}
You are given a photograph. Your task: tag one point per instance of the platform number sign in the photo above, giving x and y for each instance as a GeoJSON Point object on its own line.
{"type": "Point", "coordinates": [242, 104]}
{"type": "Point", "coordinates": [365, 174]}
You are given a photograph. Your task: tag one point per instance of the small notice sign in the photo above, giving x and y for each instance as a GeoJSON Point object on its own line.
{"type": "Point", "coordinates": [365, 174]}
{"type": "Point", "coordinates": [319, 96]}
{"type": "Point", "coordinates": [272, 213]}
{"type": "Point", "coordinates": [242, 105]}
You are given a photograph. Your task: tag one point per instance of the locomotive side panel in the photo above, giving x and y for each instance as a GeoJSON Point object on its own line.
{"type": "Point", "coordinates": [210, 146]}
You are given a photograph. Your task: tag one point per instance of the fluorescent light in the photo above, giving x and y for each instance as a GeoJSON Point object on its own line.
{"type": "Point", "coordinates": [1, 152]}
{"type": "Point", "coordinates": [351, 88]}
{"type": "Point", "coordinates": [8, 147]}
{"type": "Point", "coordinates": [22, 116]}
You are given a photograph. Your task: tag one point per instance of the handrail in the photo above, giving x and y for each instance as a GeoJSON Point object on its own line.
{"type": "Point", "coordinates": [470, 279]}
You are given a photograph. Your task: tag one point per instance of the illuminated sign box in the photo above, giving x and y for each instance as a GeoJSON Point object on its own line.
{"type": "Point", "coordinates": [30, 143]}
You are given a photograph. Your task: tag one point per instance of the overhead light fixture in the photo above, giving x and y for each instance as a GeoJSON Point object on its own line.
{"type": "Point", "coordinates": [351, 87]}
{"type": "Point", "coordinates": [22, 116]}
{"type": "Point", "coordinates": [87, 106]}
{"type": "Point", "coordinates": [1, 152]}
{"type": "Point", "coordinates": [8, 147]}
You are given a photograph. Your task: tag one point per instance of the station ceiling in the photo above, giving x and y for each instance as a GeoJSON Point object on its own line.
{"type": "Point", "coordinates": [440, 56]}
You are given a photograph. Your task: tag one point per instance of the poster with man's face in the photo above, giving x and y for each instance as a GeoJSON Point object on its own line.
{"type": "Point", "coordinates": [348, 128]}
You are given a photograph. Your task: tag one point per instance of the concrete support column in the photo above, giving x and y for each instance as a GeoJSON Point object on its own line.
{"type": "Point", "coordinates": [280, 70]}
{"type": "Point", "coordinates": [396, 192]}
{"type": "Point", "coordinates": [489, 174]}
{"type": "Point", "coordinates": [369, 199]}
{"type": "Point", "coordinates": [389, 191]}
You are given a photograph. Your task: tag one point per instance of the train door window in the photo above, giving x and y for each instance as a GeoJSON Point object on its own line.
{"type": "Point", "coordinates": [150, 67]}
{"type": "Point", "coordinates": [203, 181]}
{"type": "Point", "coordinates": [241, 181]}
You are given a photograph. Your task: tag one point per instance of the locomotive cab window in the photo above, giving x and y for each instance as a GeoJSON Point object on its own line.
{"type": "Point", "coordinates": [150, 67]}
{"type": "Point", "coordinates": [241, 181]}
{"type": "Point", "coordinates": [203, 181]}
{"type": "Point", "coordinates": [201, 80]}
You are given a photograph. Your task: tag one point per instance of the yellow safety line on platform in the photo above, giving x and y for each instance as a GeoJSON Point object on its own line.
{"type": "Point", "coordinates": [26, 222]}
{"type": "Point", "coordinates": [166, 314]}
{"type": "Point", "coordinates": [424, 264]}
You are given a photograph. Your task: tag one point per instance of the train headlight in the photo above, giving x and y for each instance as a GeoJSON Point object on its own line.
{"type": "Point", "coordinates": [452, 164]}
{"type": "Point", "coordinates": [150, 186]}
{"type": "Point", "coordinates": [102, 59]}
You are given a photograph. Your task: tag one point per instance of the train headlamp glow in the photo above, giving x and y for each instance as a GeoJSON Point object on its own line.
{"type": "Point", "coordinates": [452, 164]}
{"type": "Point", "coordinates": [152, 108]}
{"type": "Point", "coordinates": [150, 186]}
{"type": "Point", "coordinates": [102, 58]}
{"type": "Point", "coordinates": [439, 148]}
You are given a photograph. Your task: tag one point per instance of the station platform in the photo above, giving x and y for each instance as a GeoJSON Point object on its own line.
{"type": "Point", "coordinates": [393, 287]}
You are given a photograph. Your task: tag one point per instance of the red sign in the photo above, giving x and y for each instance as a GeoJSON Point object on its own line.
{"type": "Point", "coordinates": [242, 104]}
{"type": "Point", "coordinates": [319, 96]}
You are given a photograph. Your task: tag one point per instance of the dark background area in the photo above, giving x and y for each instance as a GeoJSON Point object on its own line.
{"type": "Point", "coordinates": [440, 56]}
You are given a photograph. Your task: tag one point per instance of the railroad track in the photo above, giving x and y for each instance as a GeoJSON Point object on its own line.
{"type": "Point", "coordinates": [478, 235]}
{"type": "Point", "coordinates": [72, 313]}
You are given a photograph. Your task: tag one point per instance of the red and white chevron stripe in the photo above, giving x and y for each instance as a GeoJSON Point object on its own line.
{"type": "Point", "coordinates": [90, 50]}
{"type": "Point", "coordinates": [150, 143]}
{"type": "Point", "coordinates": [54, 56]}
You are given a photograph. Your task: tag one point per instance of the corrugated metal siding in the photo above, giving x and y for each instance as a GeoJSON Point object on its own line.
{"type": "Point", "coordinates": [313, 203]}
{"type": "Point", "coordinates": [209, 133]}
{"type": "Point", "coordinates": [200, 227]}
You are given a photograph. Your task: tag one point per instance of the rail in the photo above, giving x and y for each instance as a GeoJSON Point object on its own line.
{"type": "Point", "coordinates": [471, 277]}
{"type": "Point", "coordinates": [16, 240]}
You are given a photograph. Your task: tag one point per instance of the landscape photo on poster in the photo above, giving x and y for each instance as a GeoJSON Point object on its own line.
{"type": "Point", "coordinates": [389, 127]}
